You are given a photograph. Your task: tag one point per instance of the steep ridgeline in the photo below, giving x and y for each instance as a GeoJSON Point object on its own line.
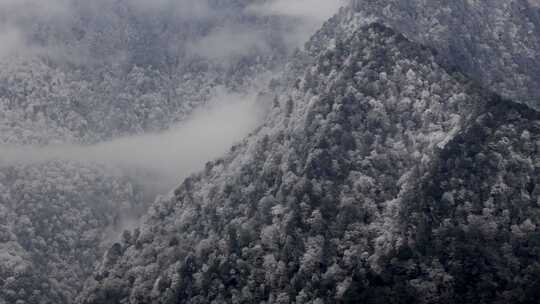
{"type": "Point", "coordinates": [325, 204]}
{"type": "Point", "coordinates": [496, 42]}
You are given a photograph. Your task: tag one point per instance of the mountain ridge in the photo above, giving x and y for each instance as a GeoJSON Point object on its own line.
{"type": "Point", "coordinates": [289, 202]}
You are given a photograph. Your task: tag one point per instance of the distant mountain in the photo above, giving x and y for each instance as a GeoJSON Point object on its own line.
{"type": "Point", "coordinates": [382, 175]}
{"type": "Point", "coordinates": [494, 42]}
{"type": "Point", "coordinates": [112, 68]}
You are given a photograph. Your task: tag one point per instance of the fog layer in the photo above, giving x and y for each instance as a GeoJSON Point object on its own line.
{"type": "Point", "coordinates": [169, 156]}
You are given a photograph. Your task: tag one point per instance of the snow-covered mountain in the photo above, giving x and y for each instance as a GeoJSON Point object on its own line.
{"type": "Point", "coordinates": [397, 163]}
{"type": "Point", "coordinates": [382, 175]}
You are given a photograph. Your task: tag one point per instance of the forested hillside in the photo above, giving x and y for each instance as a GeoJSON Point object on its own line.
{"type": "Point", "coordinates": [326, 202]}
{"type": "Point", "coordinates": [392, 157]}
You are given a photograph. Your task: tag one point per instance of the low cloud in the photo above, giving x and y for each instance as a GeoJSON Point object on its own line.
{"type": "Point", "coordinates": [55, 19]}
{"type": "Point", "coordinates": [307, 14]}
{"type": "Point", "coordinates": [318, 10]}
{"type": "Point", "coordinates": [183, 8]}
{"type": "Point", "coordinates": [11, 42]}
{"type": "Point", "coordinates": [15, 10]}
{"type": "Point", "coordinates": [169, 156]}
{"type": "Point", "coordinates": [228, 43]}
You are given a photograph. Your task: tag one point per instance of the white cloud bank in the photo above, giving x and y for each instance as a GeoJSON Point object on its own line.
{"type": "Point", "coordinates": [11, 41]}
{"type": "Point", "coordinates": [228, 43]}
{"type": "Point", "coordinates": [170, 156]}
{"type": "Point", "coordinates": [318, 10]}
{"type": "Point", "coordinates": [309, 14]}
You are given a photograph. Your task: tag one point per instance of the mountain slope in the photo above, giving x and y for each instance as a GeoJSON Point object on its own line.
{"type": "Point", "coordinates": [311, 207]}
